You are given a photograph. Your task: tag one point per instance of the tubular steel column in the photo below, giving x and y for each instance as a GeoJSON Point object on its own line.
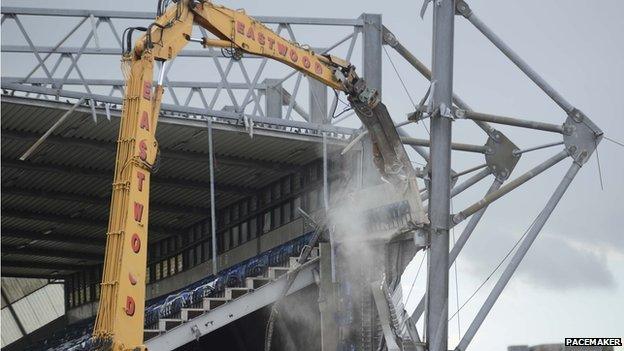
{"type": "Point", "coordinates": [440, 165]}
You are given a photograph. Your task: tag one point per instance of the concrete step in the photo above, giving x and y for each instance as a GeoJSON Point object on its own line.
{"type": "Point", "coordinates": [150, 333]}
{"type": "Point", "coordinates": [256, 282]}
{"type": "Point", "coordinates": [293, 262]}
{"type": "Point", "coordinates": [210, 303]}
{"type": "Point", "coordinates": [190, 313]}
{"type": "Point", "coordinates": [276, 272]}
{"type": "Point", "coordinates": [234, 293]}
{"type": "Point", "coordinates": [165, 324]}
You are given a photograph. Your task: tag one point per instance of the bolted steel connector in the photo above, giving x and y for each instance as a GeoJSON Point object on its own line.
{"type": "Point", "coordinates": [462, 8]}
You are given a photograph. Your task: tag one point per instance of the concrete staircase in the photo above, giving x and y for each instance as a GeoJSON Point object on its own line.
{"type": "Point", "coordinates": [212, 304]}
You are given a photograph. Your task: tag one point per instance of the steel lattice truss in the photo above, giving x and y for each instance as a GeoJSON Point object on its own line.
{"type": "Point", "coordinates": [229, 88]}
{"type": "Point", "coordinates": [234, 100]}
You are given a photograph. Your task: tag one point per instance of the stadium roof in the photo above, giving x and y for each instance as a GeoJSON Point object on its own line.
{"type": "Point", "coordinates": [55, 204]}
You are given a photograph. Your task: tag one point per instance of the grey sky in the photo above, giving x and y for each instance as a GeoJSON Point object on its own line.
{"type": "Point", "coordinates": [572, 281]}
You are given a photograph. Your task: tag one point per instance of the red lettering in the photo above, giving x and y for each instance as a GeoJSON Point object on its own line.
{"type": "Point", "coordinates": [271, 42]}
{"type": "Point", "coordinates": [282, 49]}
{"type": "Point", "coordinates": [130, 306]}
{"type": "Point", "coordinates": [144, 121]}
{"type": "Point", "coordinates": [138, 212]}
{"type": "Point", "coordinates": [318, 69]}
{"type": "Point", "coordinates": [141, 178]}
{"type": "Point", "coordinates": [135, 241]}
{"type": "Point", "coordinates": [250, 33]}
{"type": "Point", "coordinates": [143, 150]}
{"type": "Point", "coordinates": [240, 28]}
{"type": "Point", "coordinates": [147, 90]}
{"type": "Point", "coordinates": [306, 62]}
{"type": "Point", "coordinates": [261, 38]}
{"type": "Point", "coordinates": [133, 280]}
{"type": "Point", "coordinates": [293, 56]}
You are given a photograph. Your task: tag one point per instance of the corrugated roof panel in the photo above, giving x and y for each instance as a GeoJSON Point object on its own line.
{"type": "Point", "coordinates": [40, 307]}
{"type": "Point", "coordinates": [10, 330]}
{"type": "Point", "coordinates": [11, 241]}
{"type": "Point", "coordinates": [79, 184]}
{"type": "Point", "coordinates": [56, 296]}
{"type": "Point", "coordinates": [30, 257]}
{"type": "Point", "coordinates": [12, 148]}
{"type": "Point", "coordinates": [69, 246]}
{"type": "Point", "coordinates": [38, 225]}
{"type": "Point", "coordinates": [16, 288]}
{"type": "Point", "coordinates": [40, 204]}
{"type": "Point", "coordinates": [80, 125]}
{"type": "Point", "coordinates": [76, 248]}
{"type": "Point", "coordinates": [30, 119]}
{"type": "Point", "coordinates": [29, 271]}
{"type": "Point", "coordinates": [79, 145]}
{"type": "Point", "coordinates": [64, 182]}
{"type": "Point", "coordinates": [66, 246]}
{"type": "Point", "coordinates": [82, 157]}
{"type": "Point", "coordinates": [53, 156]}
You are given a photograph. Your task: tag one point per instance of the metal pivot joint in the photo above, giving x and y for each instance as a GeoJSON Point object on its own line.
{"type": "Point", "coordinates": [462, 8]}
{"type": "Point", "coordinates": [390, 39]}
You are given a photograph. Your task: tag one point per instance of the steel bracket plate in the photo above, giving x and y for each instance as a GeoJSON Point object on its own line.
{"type": "Point", "coordinates": [500, 156]}
{"type": "Point", "coordinates": [581, 136]}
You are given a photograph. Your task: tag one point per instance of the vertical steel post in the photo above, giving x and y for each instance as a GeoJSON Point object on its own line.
{"type": "Point", "coordinates": [519, 255]}
{"type": "Point", "coordinates": [371, 72]}
{"type": "Point", "coordinates": [273, 98]}
{"type": "Point", "coordinates": [318, 101]}
{"type": "Point", "coordinates": [359, 275]}
{"type": "Point", "coordinates": [440, 167]}
{"type": "Point", "coordinates": [213, 224]}
{"type": "Point", "coordinates": [371, 50]}
{"type": "Point", "coordinates": [325, 180]}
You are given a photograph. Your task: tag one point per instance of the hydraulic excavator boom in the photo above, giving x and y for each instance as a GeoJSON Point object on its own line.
{"type": "Point", "coordinates": [119, 323]}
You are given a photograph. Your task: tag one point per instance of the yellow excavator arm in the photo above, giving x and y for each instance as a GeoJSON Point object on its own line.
{"type": "Point", "coordinates": [234, 29]}
{"type": "Point", "coordinates": [119, 323]}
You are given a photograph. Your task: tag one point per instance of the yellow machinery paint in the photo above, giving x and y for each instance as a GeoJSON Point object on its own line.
{"type": "Point", "coordinates": [122, 299]}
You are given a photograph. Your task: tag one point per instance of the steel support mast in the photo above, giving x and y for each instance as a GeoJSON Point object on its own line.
{"type": "Point", "coordinates": [440, 175]}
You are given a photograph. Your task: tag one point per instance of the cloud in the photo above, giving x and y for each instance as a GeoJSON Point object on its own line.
{"type": "Point", "coordinates": [553, 262]}
{"type": "Point", "coordinates": [556, 263]}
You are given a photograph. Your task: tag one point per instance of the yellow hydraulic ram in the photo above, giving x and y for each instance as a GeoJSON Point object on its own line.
{"type": "Point", "coordinates": [119, 323]}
